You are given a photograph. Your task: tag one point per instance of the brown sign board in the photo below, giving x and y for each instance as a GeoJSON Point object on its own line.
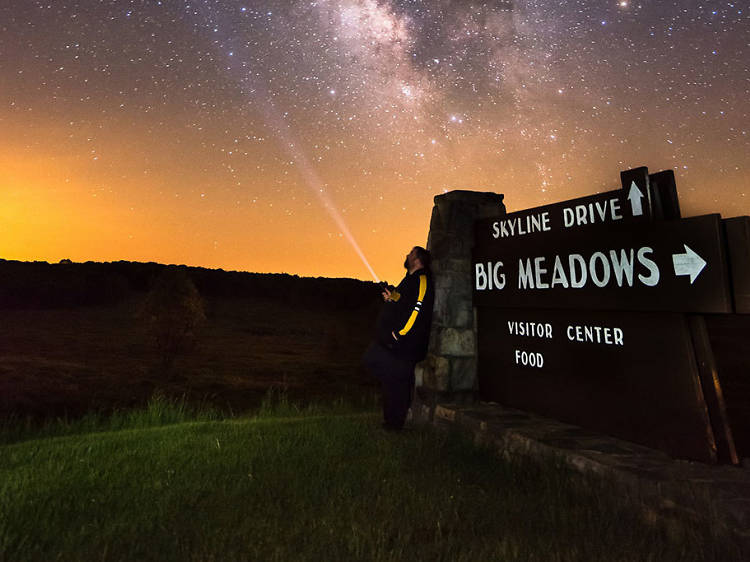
{"type": "Point", "coordinates": [632, 375]}
{"type": "Point", "coordinates": [611, 207]}
{"type": "Point", "coordinates": [674, 266]}
{"type": "Point", "coordinates": [737, 231]}
{"type": "Point", "coordinates": [729, 335]}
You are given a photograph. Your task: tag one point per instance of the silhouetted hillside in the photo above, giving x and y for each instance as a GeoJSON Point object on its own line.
{"type": "Point", "coordinates": [42, 285]}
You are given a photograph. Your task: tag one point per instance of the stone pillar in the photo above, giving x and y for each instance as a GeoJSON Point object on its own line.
{"type": "Point", "coordinates": [449, 373]}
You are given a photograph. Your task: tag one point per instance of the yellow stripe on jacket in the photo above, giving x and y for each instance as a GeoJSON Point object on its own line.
{"type": "Point", "coordinates": [417, 307]}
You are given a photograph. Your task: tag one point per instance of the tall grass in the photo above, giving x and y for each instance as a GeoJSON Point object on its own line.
{"type": "Point", "coordinates": [297, 483]}
{"type": "Point", "coordinates": [277, 404]}
{"type": "Point", "coordinates": [160, 410]}
{"type": "Point", "coordinates": [164, 410]}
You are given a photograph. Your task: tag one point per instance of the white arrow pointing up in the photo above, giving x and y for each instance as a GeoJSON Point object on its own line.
{"type": "Point", "coordinates": [635, 197]}
{"type": "Point", "coordinates": [688, 263]}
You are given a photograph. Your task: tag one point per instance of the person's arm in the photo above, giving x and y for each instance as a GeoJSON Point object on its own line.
{"type": "Point", "coordinates": [421, 292]}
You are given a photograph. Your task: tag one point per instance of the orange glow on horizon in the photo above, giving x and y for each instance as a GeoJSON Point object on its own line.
{"type": "Point", "coordinates": [195, 134]}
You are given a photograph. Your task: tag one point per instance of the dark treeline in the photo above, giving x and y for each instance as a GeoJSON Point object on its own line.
{"type": "Point", "coordinates": [69, 285]}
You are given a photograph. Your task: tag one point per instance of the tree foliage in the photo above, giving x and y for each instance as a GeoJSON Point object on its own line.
{"type": "Point", "coordinates": [173, 311]}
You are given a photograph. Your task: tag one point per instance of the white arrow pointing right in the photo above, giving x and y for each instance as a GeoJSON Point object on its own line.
{"type": "Point", "coordinates": [635, 197]}
{"type": "Point", "coordinates": [688, 263]}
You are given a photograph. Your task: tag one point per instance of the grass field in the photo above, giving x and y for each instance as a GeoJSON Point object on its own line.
{"type": "Point", "coordinates": [320, 483]}
{"type": "Point", "coordinates": [100, 461]}
{"type": "Point", "coordinates": [69, 362]}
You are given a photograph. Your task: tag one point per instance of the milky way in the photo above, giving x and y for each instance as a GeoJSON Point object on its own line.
{"type": "Point", "coordinates": [233, 134]}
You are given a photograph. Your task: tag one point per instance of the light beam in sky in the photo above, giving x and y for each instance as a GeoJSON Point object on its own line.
{"type": "Point", "coordinates": [280, 127]}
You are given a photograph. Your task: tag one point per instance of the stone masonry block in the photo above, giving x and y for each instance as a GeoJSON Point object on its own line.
{"type": "Point", "coordinates": [452, 265]}
{"type": "Point", "coordinates": [465, 196]}
{"type": "Point", "coordinates": [440, 310]}
{"type": "Point", "coordinates": [463, 373]}
{"type": "Point", "coordinates": [462, 220]}
{"type": "Point", "coordinates": [438, 222]}
{"type": "Point", "coordinates": [451, 363]}
{"type": "Point", "coordinates": [455, 342]}
{"type": "Point", "coordinates": [445, 245]}
{"type": "Point", "coordinates": [491, 210]}
{"type": "Point", "coordinates": [460, 315]}
{"type": "Point", "coordinates": [459, 284]}
{"type": "Point", "coordinates": [452, 312]}
{"type": "Point", "coordinates": [433, 372]}
{"type": "Point", "coordinates": [458, 209]}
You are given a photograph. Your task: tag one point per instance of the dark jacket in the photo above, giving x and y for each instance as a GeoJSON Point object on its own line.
{"type": "Point", "coordinates": [409, 316]}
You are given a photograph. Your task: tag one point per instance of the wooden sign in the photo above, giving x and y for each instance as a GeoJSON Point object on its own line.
{"type": "Point", "coordinates": [588, 312]}
{"type": "Point", "coordinates": [738, 239]}
{"type": "Point", "coordinates": [632, 375]}
{"type": "Point", "coordinates": [627, 205]}
{"type": "Point", "coordinates": [676, 266]}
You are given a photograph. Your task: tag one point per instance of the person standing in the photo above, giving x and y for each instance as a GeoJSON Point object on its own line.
{"type": "Point", "coordinates": [402, 335]}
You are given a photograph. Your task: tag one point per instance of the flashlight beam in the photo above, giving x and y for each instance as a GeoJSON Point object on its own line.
{"type": "Point", "coordinates": [275, 121]}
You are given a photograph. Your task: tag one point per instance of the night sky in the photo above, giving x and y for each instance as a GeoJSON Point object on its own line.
{"type": "Point", "coordinates": [269, 136]}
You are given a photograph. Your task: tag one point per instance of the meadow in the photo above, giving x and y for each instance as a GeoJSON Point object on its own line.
{"type": "Point", "coordinates": [304, 483]}
{"type": "Point", "coordinates": [264, 443]}
{"type": "Point", "coordinates": [66, 362]}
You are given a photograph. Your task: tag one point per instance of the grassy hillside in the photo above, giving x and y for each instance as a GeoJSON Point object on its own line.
{"type": "Point", "coordinates": [304, 485]}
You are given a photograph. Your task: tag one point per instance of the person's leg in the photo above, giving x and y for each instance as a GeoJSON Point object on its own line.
{"type": "Point", "coordinates": [412, 381]}
{"type": "Point", "coordinates": [396, 378]}
{"type": "Point", "coordinates": [400, 393]}
{"type": "Point", "coordinates": [389, 386]}
{"type": "Point", "coordinates": [382, 365]}
{"type": "Point", "coordinates": [374, 359]}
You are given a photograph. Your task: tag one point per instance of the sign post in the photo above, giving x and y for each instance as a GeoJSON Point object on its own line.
{"type": "Point", "coordinates": [587, 313]}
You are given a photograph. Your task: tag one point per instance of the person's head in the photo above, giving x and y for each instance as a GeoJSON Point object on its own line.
{"type": "Point", "coordinates": [418, 258]}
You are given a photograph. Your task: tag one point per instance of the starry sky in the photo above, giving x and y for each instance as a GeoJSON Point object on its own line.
{"type": "Point", "coordinates": [311, 137]}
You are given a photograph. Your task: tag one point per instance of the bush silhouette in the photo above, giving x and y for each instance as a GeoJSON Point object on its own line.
{"type": "Point", "coordinates": [173, 310]}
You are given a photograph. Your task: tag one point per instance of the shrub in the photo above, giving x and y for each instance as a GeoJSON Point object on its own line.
{"type": "Point", "coordinates": [173, 311]}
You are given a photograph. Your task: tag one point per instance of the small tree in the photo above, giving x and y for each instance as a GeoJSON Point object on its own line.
{"type": "Point", "coordinates": [173, 311]}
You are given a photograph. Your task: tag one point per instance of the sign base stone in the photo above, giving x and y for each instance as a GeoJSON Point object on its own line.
{"type": "Point", "coordinates": [449, 372]}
